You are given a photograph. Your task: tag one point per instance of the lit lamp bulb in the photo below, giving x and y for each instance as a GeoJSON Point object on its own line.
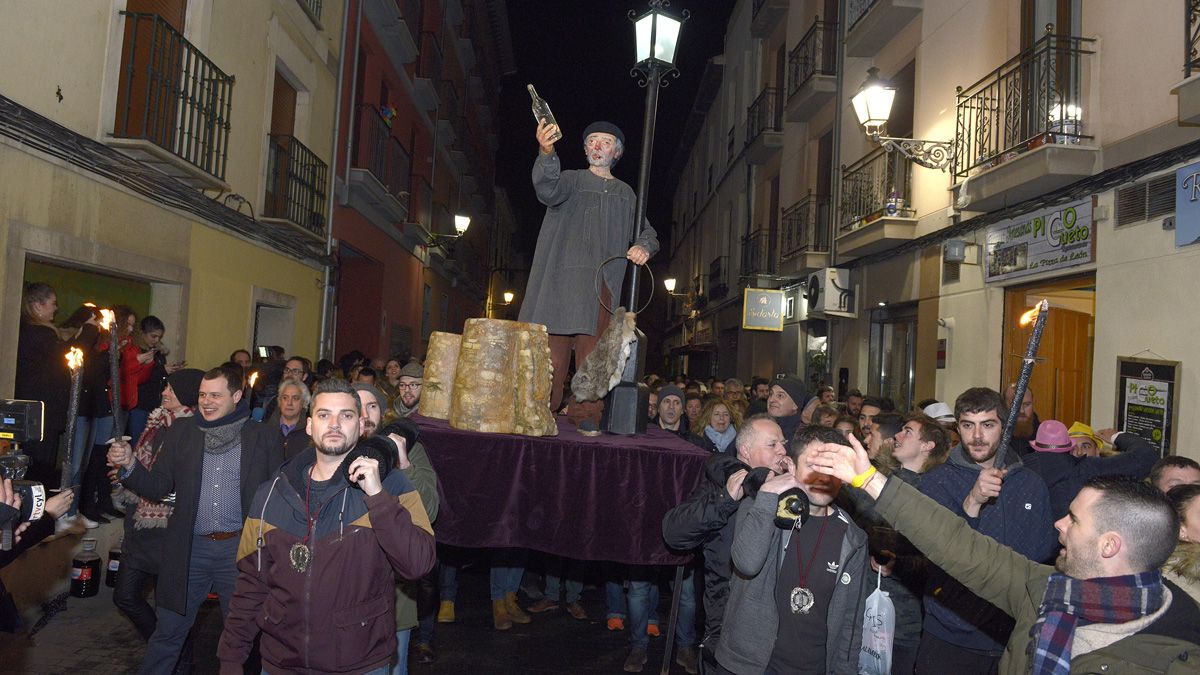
{"type": "Point", "coordinates": [669, 284]}
{"type": "Point", "coordinates": [461, 223]}
{"type": "Point", "coordinates": [508, 297]}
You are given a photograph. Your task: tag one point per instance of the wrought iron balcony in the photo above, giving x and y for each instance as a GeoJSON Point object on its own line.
{"type": "Point", "coordinates": [296, 182]}
{"type": "Point", "coordinates": [173, 103]}
{"type": "Point", "coordinates": [313, 9]}
{"type": "Point", "coordinates": [815, 54]}
{"type": "Point", "coordinates": [766, 16]}
{"type": "Point", "coordinates": [758, 253]}
{"type": "Point", "coordinates": [1033, 99]}
{"type": "Point", "coordinates": [379, 181]}
{"type": "Point", "coordinates": [429, 70]}
{"type": "Point", "coordinates": [718, 277]}
{"type": "Point", "coordinates": [872, 24]}
{"type": "Point", "coordinates": [764, 126]}
{"type": "Point", "coordinates": [806, 227]}
{"type": "Point", "coordinates": [873, 187]}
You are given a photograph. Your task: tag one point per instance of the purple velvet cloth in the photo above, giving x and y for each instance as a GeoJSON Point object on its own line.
{"type": "Point", "coordinates": [587, 498]}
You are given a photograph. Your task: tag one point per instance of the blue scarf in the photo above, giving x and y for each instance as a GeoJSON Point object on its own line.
{"type": "Point", "coordinates": [721, 440]}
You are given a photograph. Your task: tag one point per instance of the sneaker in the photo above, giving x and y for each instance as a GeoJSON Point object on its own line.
{"type": "Point", "coordinates": [635, 660]}
{"type": "Point", "coordinates": [615, 623]}
{"type": "Point", "coordinates": [576, 611]}
{"type": "Point", "coordinates": [543, 605]}
{"type": "Point", "coordinates": [446, 612]}
{"type": "Point", "coordinates": [69, 525]}
{"type": "Point", "coordinates": [652, 630]}
{"type": "Point", "coordinates": [87, 522]}
{"type": "Point", "coordinates": [687, 659]}
{"type": "Point", "coordinates": [423, 653]}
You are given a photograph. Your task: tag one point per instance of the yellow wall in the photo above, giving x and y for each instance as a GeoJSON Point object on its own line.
{"type": "Point", "coordinates": [221, 307]}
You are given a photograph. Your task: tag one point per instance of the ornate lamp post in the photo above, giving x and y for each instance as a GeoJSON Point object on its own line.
{"type": "Point", "coordinates": [873, 106]}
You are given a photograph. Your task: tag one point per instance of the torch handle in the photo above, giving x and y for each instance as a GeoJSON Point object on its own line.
{"type": "Point", "coordinates": [114, 369]}
{"type": "Point", "coordinates": [1022, 385]}
{"type": "Point", "coordinates": [68, 470]}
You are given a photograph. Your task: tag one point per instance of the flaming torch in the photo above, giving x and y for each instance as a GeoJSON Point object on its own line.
{"type": "Point", "coordinates": [1038, 316]}
{"type": "Point", "coordinates": [109, 319]}
{"type": "Point", "coordinates": [75, 364]}
{"type": "Point", "coordinates": [253, 378]}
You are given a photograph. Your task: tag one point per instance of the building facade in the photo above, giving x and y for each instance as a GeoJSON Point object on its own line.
{"type": "Point", "coordinates": [416, 151]}
{"type": "Point", "coordinates": [172, 155]}
{"type": "Point", "coordinates": [1059, 137]}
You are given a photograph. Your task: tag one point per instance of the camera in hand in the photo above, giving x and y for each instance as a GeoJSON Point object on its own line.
{"type": "Point", "coordinates": [793, 506]}
{"type": "Point", "coordinates": [377, 447]}
{"type": "Point", "coordinates": [21, 421]}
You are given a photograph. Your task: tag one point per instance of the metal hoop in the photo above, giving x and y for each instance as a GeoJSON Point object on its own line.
{"type": "Point", "coordinates": [596, 284]}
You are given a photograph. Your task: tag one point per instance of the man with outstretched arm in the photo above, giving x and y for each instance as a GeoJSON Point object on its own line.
{"type": "Point", "coordinates": [1102, 607]}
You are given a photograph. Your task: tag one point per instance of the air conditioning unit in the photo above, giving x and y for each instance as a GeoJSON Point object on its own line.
{"type": "Point", "coordinates": [829, 292]}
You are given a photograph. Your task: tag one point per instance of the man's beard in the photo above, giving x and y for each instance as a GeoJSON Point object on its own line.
{"type": "Point", "coordinates": [410, 404]}
{"type": "Point", "coordinates": [368, 428]}
{"type": "Point", "coordinates": [333, 449]}
{"type": "Point", "coordinates": [603, 163]}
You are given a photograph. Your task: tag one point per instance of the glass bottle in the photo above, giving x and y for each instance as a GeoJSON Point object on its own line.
{"type": "Point", "coordinates": [541, 111]}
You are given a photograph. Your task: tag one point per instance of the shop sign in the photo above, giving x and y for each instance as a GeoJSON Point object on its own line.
{"type": "Point", "coordinates": [1049, 239]}
{"type": "Point", "coordinates": [762, 309]}
{"type": "Point", "coordinates": [1187, 205]}
{"type": "Point", "coordinates": [1147, 390]}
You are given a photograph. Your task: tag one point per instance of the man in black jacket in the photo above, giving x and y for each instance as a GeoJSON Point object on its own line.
{"type": "Point", "coordinates": [213, 464]}
{"type": "Point", "coordinates": [706, 519]}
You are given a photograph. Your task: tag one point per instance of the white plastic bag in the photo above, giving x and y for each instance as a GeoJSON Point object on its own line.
{"type": "Point", "coordinates": [879, 627]}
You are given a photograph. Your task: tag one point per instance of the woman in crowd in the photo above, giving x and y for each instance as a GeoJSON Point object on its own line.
{"type": "Point", "coordinates": [82, 329]}
{"type": "Point", "coordinates": [848, 425]}
{"type": "Point", "coordinates": [146, 521]}
{"type": "Point", "coordinates": [42, 375]}
{"type": "Point", "coordinates": [1183, 567]}
{"type": "Point", "coordinates": [716, 426]}
{"type": "Point", "coordinates": [389, 384]}
{"type": "Point", "coordinates": [826, 416]}
{"type": "Point", "coordinates": [148, 370]}
{"type": "Point", "coordinates": [95, 502]}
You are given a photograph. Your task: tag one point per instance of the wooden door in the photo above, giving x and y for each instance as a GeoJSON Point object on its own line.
{"type": "Point", "coordinates": [1061, 381]}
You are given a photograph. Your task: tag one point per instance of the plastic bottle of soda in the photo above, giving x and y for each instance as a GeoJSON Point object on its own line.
{"type": "Point", "coordinates": [85, 571]}
{"type": "Point", "coordinates": [114, 565]}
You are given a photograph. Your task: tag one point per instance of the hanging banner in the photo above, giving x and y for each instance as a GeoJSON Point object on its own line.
{"type": "Point", "coordinates": [1147, 391]}
{"type": "Point", "coordinates": [762, 309]}
{"type": "Point", "coordinates": [1041, 241]}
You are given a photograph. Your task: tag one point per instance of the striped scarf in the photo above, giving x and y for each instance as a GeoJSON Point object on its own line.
{"type": "Point", "coordinates": [1070, 603]}
{"type": "Point", "coordinates": [154, 514]}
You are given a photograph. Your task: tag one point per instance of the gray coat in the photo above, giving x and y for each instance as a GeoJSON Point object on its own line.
{"type": "Point", "coordinates": [751, 621]}
{"type": "Point", "coordinates": [588, 219]}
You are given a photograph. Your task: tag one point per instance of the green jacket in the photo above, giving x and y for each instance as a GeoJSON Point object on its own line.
{"type": "Point", "coordinates": [421, 474]}
{"type": "Point", "coordinates": [1169, 644]}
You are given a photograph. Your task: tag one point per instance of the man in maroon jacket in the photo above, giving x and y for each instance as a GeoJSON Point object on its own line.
{"type": "Point", "coordinates": [320, 551]}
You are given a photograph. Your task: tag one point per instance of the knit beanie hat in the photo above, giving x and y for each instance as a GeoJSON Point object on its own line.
{"type": "Point", "coordinates": [372, 389]}
{"type": "Point", "coordinates": [604, 128]}
{"type": "Point", "coordinates": [794, 388]}
{"type": "Point", "coordinates": [186, 385]}
{"type": "Point", "coordinates": [670, 390]}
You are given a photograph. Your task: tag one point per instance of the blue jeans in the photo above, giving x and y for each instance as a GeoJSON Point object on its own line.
{"type": "Point", "coordinates": [508, 566]}
{"type": "Point", "coordinates": [614, 590]}
{"type": "Point", "coordinates": [89, 431]}
{"type": "Point", "coordinates": [643, 605]}
{"type": "Point", "coordinates": [554, 582]}
{"type": "Point", "coordinates": [447, 581]}
{"type": "Point", "coordinates": [135, 424]}
{"type": "Point", "coordinates": [402, 637]}
{"type": "Point", "coordinates": [212, 566]}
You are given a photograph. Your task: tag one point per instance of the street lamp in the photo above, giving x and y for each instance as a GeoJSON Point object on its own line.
{"type": "Point", "coordinates": [461, 223]}
{"type": "Point", "coordinates": [508, 297]}
{"type": "Point", "coordinates": [873, 105]}
{"type": "Point", "coordinates": [656, 35]}
{"type": "Point", "coordinates": [669, 284]}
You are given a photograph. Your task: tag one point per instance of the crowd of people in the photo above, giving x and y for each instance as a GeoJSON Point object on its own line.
{"type": "Point", "coordinates": [294, 491]}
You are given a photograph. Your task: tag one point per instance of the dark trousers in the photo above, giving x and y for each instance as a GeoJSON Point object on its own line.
{"type": "Point", "coordinates": [936, 657]}
{"type": "Point", "coordinates": [583, 344]}
{"type": "Point", "coordinates": [43, 459]}
{"type": "Point", "coordinates": [904, 657]}
{"type": "Point", "coordinates": [130, 597]}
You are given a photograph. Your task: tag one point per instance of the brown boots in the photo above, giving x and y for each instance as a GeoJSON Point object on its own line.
{"type": "Point", "coordinates": [506, 612]}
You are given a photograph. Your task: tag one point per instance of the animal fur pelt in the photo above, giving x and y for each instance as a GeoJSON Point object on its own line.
{"type": "Point", "coordinates": [601, 370]}
{"type": "Point", "coordinates": [1183, 567]}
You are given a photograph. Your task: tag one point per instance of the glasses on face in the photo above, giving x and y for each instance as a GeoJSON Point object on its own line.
{"type": "Point", "coordinates": [409, 385]}
{"type": "Point", "coordinates": [293, 371]}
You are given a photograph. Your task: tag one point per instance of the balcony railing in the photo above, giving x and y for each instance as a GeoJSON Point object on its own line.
{"type": "Point", "coordinates": [765, 114]}
{"type": "Point", "coordinates": [422, 199]}
{"type": "Point", "coordinates": [718, 277]}
{"type": "Point", "coordinates": [857, 9]}
{"type": "Point", "coordinates": [1191, 38]}
{"type": "Point", "coordinates": [758, 253]}
{"type": "Point", "coordinates": [815, 54]}
{"type": "Point", "coordinates": [296, 181]}
{"type": "Point", "coordinates": [806, 227]}
{"type": "Point", "coordinates": [429, 65]}
{"type": "Point", "coordinates": [172, 95]}
{"type": "Point", "coordinates": [875, 186]}
{"type": "Point", "coordinates": [312, 8]}
{"type": "Point", "coordinates": [1033, 99]}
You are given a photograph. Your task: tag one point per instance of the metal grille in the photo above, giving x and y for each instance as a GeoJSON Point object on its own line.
{"type": "Point", "coordinates": [758, 253]}
{"type": "Point", "coordinates": [875, 186]}
{"type": "Point", "coordinates": [172, 95]}
{"type": "Point", "coordinates": [951, 272]}
{"type": "Point", "coordinates": [856, 10]}
{"type": "Point", "coordinates": [806, 227]}
{"type": "Point", "coordinates": [1191, 37]}
{"type": "Point", "coordinates": [312, 8]}
{"type": "Point", "coordinates": [1033, 99]}
{"type": "Point", "coordinates": [718, 277]}
{"type": "Point", "coordinates": [296, 180]}
{"type": "Point", "coordinates": [1160, 196]}
{"type": "Point", "coordinates": [764, 114]}
{"type": "Point", "coordinates": [1146, 200]}
{"type": "Point", "coordinates": [815, 54]}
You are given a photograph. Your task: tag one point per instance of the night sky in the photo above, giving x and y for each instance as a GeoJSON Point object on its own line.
{"type": "Point", "coordinates": [578, 55]}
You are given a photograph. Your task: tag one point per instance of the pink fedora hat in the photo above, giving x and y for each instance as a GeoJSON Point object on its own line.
{"type": "Point", "coordinates": [1052, 436]}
